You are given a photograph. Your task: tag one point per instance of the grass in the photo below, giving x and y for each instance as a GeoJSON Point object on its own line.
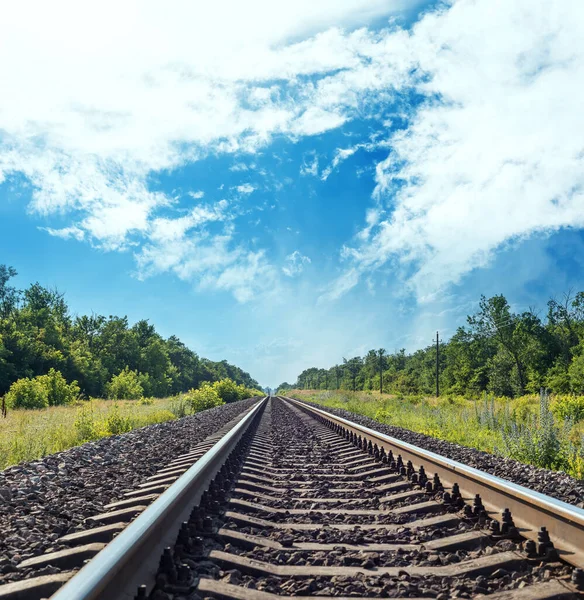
{"type": "Point", "coordinates": [31, 434]}
{"type": "Point", "coordinates": [534, 429]}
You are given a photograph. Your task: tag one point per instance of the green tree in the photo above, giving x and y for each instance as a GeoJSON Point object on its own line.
{"type": "Point", "coordinates": [9, 296]}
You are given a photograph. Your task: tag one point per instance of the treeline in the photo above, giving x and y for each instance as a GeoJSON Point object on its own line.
{"type": "Point", "coordinates": [38, 333]}
{"type": "Point", "coordinates": [498, 351]}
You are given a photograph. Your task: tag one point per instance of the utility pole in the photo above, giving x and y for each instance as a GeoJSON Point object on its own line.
{"type": "Point", "coordinates": [381, 351]}
{"type": "Point", "coordinates": [437, 365]}
{"type": "Point", "coordinates": [326, 380]}
{"type": "Point", "coordinates": [337, 374]}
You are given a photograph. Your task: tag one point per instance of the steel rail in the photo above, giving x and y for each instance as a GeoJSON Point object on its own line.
{"type": "Point", "coordinates": [132, 558]}
{"type": "Point", "coordinates": [530, 510]}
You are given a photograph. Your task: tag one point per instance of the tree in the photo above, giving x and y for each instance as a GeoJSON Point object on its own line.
{"type": "Point", "coordinates": [9, 296]}
{"type": "Point", "coordinates": [494, 318]}
{"type": "Point", "coordinates": [353, 367]}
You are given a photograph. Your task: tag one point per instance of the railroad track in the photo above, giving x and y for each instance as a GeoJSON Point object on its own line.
{"type": "Point", "coordinates": [289, 500]}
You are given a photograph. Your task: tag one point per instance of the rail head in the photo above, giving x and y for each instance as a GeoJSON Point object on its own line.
{"type": "Point", "coordinates": [531, 510]}
{"type": "Point", "coordinates": [131, 559]}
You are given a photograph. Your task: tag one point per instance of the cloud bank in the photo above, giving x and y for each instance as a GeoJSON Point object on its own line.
{"type": "Point", "coordinates": [496, 151]}
{"type": "Point", "coordinates": [97, 98]}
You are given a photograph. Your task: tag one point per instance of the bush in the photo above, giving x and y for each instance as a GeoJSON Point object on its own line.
{"type": "Point", "coordinates": [568, 407]}
{"type": "Point", "coordinates": [125, 386]}
{"type": "Point", "coordinates": [85, 425]}
{"type": "Point", "coordinates": [27, 393]}
{"type": "Point", "coordinates": [203, 398]}
{"type": "Point", "coordinates": [229, 391]}
{"type": "Point", "coordinates": [576, 374]}
{"type": "Point", "coordinates": [180, 406]}
{"type": "Point", "coordinates": [59, 392]}
{"type": "Point", "coordinates": [116, 423]}
{"type": "Point", "coordinates": [539, 442]}
{"type": "Point", "coordinates": [42, 391]}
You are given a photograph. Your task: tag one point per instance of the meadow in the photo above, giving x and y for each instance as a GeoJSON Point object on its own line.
{"type": "Point", "coordinates": [546, 431]}
{"type": "Point", "coordinates": [31, 434]}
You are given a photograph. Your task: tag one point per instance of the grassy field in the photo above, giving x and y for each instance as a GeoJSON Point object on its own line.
{"type": "Point", "coordinates": [32, 434]}
{"type": "Point", "coordinates": [539, 430]}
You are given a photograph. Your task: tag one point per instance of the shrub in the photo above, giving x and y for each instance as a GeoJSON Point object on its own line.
{"type": "Point", "coordinates": [115, 423]}
{"type": "Point", "coordinates": [538, 442]}
{"type": "Point", "coordinates": [180, 406]}
{"type": "Point", "coordinates": [27, 393]}
{"type": "Point", "coordinates": [203, 398]}
{"type": "Point", "coordinates": [59, 392]}
{"type": "Point", "coordinates": [576, 374]}
{"type": "Point", "coordinates": [229, 391]}
{"type": "Point", "coordinates": [85, 425]}
{"type": "Point", "coordinates": [125, 386]}
{"type": "Point", "coordinates": [525, 408]}
{"type": "Point", "coordinates": [568, 407]}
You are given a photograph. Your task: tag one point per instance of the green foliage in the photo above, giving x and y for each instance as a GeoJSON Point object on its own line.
{"type": "Point", "coordinates": [539, 441]}
{"type": "Point", "coordinates": [576, 374]}
{"type": "Point", "coordinates": [27, 393]}
{"type": "Point", "coordinates": [117, 423]}
{"type": "Point", "coordinates": [125, 386]}
{"type": "Point", "coordinates": [568, 407]}
{"type": "Point", "coordinates": [229, 391]}
{"type": "Point", "coordinates": [85, 425]}
{"type": "Point", "coordinates": [532, 429]}
{"type": "Point", "coordinates": [59, 392]}
{"type": "Point", "coordinates": [37, 334]}
{"type": "Point", "coordinates": [203, 398]}
{"type": "Point", "coordinates": [180, 406]}
{"type": "Point", "coordinates": [499, 352]}
{"type": "Point", "coordinates": [39, 392]}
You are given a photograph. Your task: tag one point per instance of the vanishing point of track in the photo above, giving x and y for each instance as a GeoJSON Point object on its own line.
{"type": "Point", "coordinates": [290, 500]}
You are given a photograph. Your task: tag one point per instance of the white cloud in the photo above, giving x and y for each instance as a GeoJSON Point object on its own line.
{"type": "Point", "coordinates": [66, 233]}
{"type": "Point", "coordinates": [239, 167]}
{"type": "Point", "coordinates": [91, 106]}
{"type": "Point", "coordinates": [246, 188]}
{"type": "Point", "coordinates": [494, 155]}
{"type": "Point", "coordinates": [309, 167]}
{"type": "Point", "coordinates": [295, 264]}
{"type": "Point", "coordinates": [197, 195]}
{"type": "Point", "coordinates": [185, 247]}
{"type": "Point", "coordinates": [342, 154]}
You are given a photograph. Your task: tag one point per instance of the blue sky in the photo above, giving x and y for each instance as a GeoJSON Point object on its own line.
{"type": "Point", "coordinates": [286, 187]}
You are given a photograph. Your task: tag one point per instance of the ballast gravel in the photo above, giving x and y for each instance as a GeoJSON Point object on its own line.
{"type": "Point", "coordinates": [45, 499]}
{"type": "Point", "coordinates": [552, 483]}
{"type": "Point", "coordinates": [292, 440]}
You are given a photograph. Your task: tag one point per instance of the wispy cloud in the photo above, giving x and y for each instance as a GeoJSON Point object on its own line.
{"type": "Point", "coordinates": [105, 109]}
{"type": "Point", "coordinates": [197, 195]}
{"type": "Point", "coordinates": [295, 264]}
{"type": "Point", "coordinates": [310, 165]}
{"type": "Point", "coordinates": [494, 155]}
